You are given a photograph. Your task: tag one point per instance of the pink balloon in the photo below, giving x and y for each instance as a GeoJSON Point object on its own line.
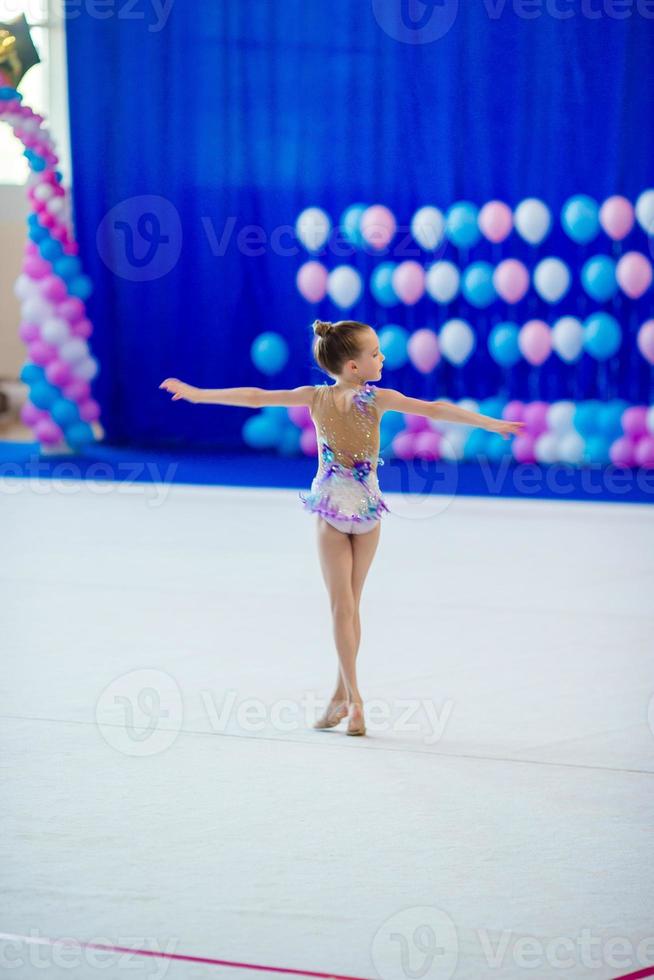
{"type": "Point", "coordinates": [645, 340]}
{"type": "Point", "coordinates": [309, 441]}
{"type": "Point", "coordinates": [634, 421]}
{"type": "Point", "coordinates": [31, 248]}
{"type": "Point", "coordinates": [495, 221]}
{"type": "Point", "coordinates": [311, 281]}
{"type": "Point", "coordinates": [514, 411]}
{"type": "Point", "coordinates": [72, 309]}
{"type": "Point", "coordinates": [403, 445]}
{"type": "Point", "coordinates": [616, 217]}
{"type": "Point", "coordinates": [89, 410]}
{"type": "Point", "coordinates": [35, 267]}
{"type": "Point", "coordinates": [645, 452]}
{"type": "Point", "coordinates": [535, 341]}
{"type": "Point", "coordinates": [82, 328]}
{"type": "Point", "coordinates": [409, 282]}
{"type": "Point", "coordinates": [300, 416]}
{"type": "Point", "coordinates": [523, 449]}
{"type": "Point", "coordinates": [634, 274]}
{"type": "Point", "coordinates": [377, 226]}
{"type": "Point", "coordinates": [428, 445]}
{"type": "Point", "coordinates": [623, 452]}
{"type": "Point", "coordinates": [42, 353]}
{"type": "Point", "coordinates": [417, 423]}
{"type": "Point", "coordinates": [54, 289]}
{"type": "Point", "coordinates": [77, 391]}
{"type": "Point", "coordinates": [511, 280]}
{"type": "Point", "coordinates": [58, 373]}
{"type": "Point", "coordinates": [48, 432]}
{"type": "Point", "coordinates": [28, 332]}
{"type": "Point", "coordinates": [30, 414]}
{"type": "Point", "coordinates": [71, 248]}
{"type": "Point", "coordinates": [535, 417]}
{"type": "Point", "coordinates": [423, 350]}
{"type": "Point", "coordinates": [48, 220]}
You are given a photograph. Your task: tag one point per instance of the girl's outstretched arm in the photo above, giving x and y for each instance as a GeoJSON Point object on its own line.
{"type": "Point", "coordinates": [389, 400]}
{"type": "Point", "coordinates": [240, 397]}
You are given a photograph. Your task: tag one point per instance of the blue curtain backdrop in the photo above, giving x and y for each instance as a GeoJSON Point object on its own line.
{"type": "Point", "coordinates": [229, 114]}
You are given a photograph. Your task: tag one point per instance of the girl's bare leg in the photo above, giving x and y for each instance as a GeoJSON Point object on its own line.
{"type": "Point", "coordinates": [363, 548]}
{"type": "Point", "coordinates": [335, 553]}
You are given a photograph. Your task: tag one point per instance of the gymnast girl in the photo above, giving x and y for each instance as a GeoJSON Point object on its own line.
{"type": "Point", "coordinates": [345, 492]}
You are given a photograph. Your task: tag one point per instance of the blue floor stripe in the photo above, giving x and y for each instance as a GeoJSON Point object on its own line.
{"type": "Point", "coordinates": [557, 481]}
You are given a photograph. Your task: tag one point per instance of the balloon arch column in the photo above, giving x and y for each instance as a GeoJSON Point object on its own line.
{"type": "Point", "coordinates": [52, 291]}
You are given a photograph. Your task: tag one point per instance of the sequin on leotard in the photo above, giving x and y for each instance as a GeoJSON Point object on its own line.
{"type": "Point", "coordinates": [345, 487]}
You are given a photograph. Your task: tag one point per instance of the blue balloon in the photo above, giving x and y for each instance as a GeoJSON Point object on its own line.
{"type": "Point", "coordinates": [597, 448]}
{"type": "Point", "coordinates": [269, 352]}
{"type": "Point", "coordinates": [461, 224]}
{"type": "Point", "coordinates": [586, 418]}
{"type": "Point", "coordinates": [38, 234]}
{"type": "Point", "coordinates": [503, 344]}
{"type": "Point", "coordinates": [477, 284]}
{"type": "Point", "coordinates": [80, 286]}
{"type": "Point", "coordinates": [259, 432]}
{"type": "Point", "coordinates": [493, 406]}
{"type": "Point", "coordinates": [289, 443]}
{"type": "Point", "coordinates": [7, 93]}
{"type": "Point", "coordinates": [476, 444]}
{"type": "Point", "coordinates": [68, 267]}
{"type": "Point", "coordinates": [65, 412]}
{"type": "Point", "coordinates": [598, 277]}
{"type": "Point", "coordinates": [496, 447]}
{"type": "Point", "coordinates": [391, 424]}
{"type": "Point", "coordinates": [580, 218]}
{"type": "Point", "coordinates": [393, 343]}
{"type": "Point", "coordinates": [79, 434]}
{"type": "Point", "coordinates": [350, 224]}
{"type": "Point", "coordinates": [31, 374]}
{"type": "Point", "coordinates": [381, 284]}
{"type": "Point", "coordinates": [51, 249]}
{"type": "Point", "coordinates": [43, 394]}
{"type": "Point", "coordinates": [610, 418]}
{"type": "Point", "coordinates": [602, 335]}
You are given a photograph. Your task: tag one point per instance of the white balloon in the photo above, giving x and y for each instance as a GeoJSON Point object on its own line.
{"type": "Point", "coordinates": [344, 286]}
{"type": "Point", "coordinates": [312, 228]}
{"type": "Point", "coordinates": [74, 350]}
{"type": "Point", "coordinates": [551, 279]}
{"type": "Point", "coordinates": [645, 211]}
{"type": "Point", "coordinates": [571, 447]}
{"type": "Point", "coordinates": [36, 309]}
{"type": "Point", "coordinates": [532, 220]}
{"type": "Point", "coordinates": [456, 341]}
{"type": "Point", "coordinates": [442, 281]}
{"type": "Point", "coordinates": [86, 369]}
{"type": "Point", "coordinates": [56, 205]}
{"type": "Point", "coordinates": [469, 404]}
{"type": "Point", "coordinates": [55, 330]}
{"type": "Point", "coordinates": [428, 227]}
{"type": "Point", "coordinates": [43, 192]}
{"type": "Point", "coordinates": [24, 287]}
{"type": "Point", "coordinates": [546, 449]}
{"type": "Point", "coordinates": [568, 338]}
{"type": "Point", "coordinates": [560, 416]}
{"type": "Point", "coordinates": [453, 442]}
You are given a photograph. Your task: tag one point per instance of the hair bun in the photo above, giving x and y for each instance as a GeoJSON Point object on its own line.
{"type": "Point", "coordinates": [322, 327]}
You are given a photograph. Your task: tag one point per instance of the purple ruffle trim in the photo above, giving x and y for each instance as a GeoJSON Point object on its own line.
{"type": "Point", "coordinates": [318, 503]}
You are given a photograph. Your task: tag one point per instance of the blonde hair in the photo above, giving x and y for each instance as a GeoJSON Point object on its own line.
{"type": "Point", "coordinates": [335, 343]}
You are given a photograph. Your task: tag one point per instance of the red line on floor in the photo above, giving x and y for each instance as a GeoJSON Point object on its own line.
{"type": "Point", "coordinates": [648, 971]}
{"type": "Point", "coordinates": [187, 958]}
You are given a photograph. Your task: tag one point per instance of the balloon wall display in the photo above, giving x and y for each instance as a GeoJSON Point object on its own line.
{"type": "Point", "coordinates": [52, 290]}
{"type": "Point", "coordinates": [600, 291]}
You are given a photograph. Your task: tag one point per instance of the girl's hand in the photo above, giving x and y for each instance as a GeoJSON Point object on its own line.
{"type": "Point", "coordinates": [181, 390]}
{"type": "Point", "coordinates": [506, 429]}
